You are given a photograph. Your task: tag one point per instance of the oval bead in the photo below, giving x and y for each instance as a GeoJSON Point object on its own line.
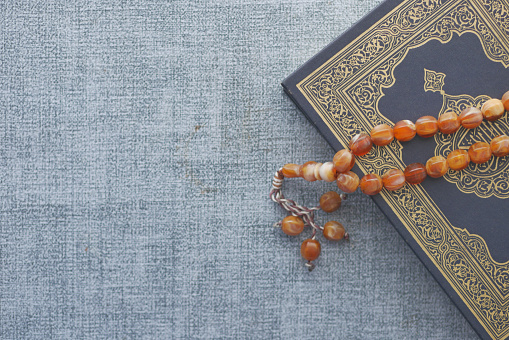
{"type": "Point", "coordinates": [361, 144]}
{"type": "Point", "coordinates": [382, 135]}
{"type": "Point", "coordinates": [492, 109]}
{"type": "Point", "coordinates": [471, 118]}
{"type": "Point", "coordinates": [328, 172]}
{"type": "Point", "coordinates": [449, 122]}
{"type": "Point", "coordinates": [291, 170]}
{"type": "Point", "coordinates": [500, 146]}
{"type": "Point", "coordinates": [426, 126]}
{"type": "Point", "coordinates": [436, 166]}
{"type": "Point", "coordinates": [371, 184]}
{"type": "Point", "coordinates": [310, 249]}
{"type": "Point", "coordinates": [348, 182]}
{"type": "Point", "coordinates": [393, 179]}
{"type": "Point", "coordinates": [333, 231]}
{"type": "Point", "coordinates": [458, 159]}
{"type": "Point", "coordinates": [505, 100]}
{"type": "Point", "coordinates": [307, 171]}
{"type": "Point", "coordinates": [343, 160]}
{"type": "Point", "coordinates": [404, 130]}
{"type": "Point", "coordinates": [292, 225]}
{"type": "Point", "coordinates": [330, 201]}
{"type": "Point", "coordinates": [479, 152]}
{"type": "Point", "coordinates": [415, 173]}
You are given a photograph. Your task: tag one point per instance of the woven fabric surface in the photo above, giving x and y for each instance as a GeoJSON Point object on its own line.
{"type": "Point", "coordinates": [138, 144]}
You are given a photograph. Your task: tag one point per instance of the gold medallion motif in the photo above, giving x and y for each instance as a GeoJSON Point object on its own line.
{"type": "Point", "coordinates": [345, 92]}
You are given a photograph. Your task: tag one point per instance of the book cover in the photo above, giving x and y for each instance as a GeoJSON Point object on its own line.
{"type": "Point", "coordinates": [408, 59]}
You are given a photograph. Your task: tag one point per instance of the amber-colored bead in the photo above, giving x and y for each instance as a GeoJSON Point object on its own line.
{"type": "Point", "coordinates": [382, 135]}
{"type": "Point", "coordinates": [393, 179]}
{"type": "Point", "coordinates": [348, 182]}
{"type": "Point", "coordinates": [307, 171]}
{"type": "Point", "coordinates": [317, 171]}
{"type": "Point", "coordinates": [343, 160]}
{"type": "Point", "coordinates": [493, 109]}
{"type": "Point", "coordinates": [291, 170]}
{"type": "Point", "coordinates": [292, 225]}
{"type": "Point", "coordinates": [361, 144]}
{"type": "Point", "coordinates": [436, 166]}
{"type": "Point", "coordinates": [404, 130]}
{"type": "Point", "coordinates": [479, 152]}
{"type": "Point", "coordinates": [505, 100]}
{"type": "Point", "coordinates": [471, 118]}
{"type": "Point", "coordinates": [426, 126]}
{"type": "Point", "coordinates": [500, 146]}
{"type": "Point", "coordinates": [371, 184]}
{"type": "Point", "coordinates": [310, 249]}
{"type": "Point", "coordinates": [449, 123]}
{"type": "Point", "coordinates": [333, 231]}
{"type": "Point", "coordinates": [328, 172]}
{"type": "Point", "coordinates": [330, 201]}
{"type": "Point", "coordinates": [415, 173]}
{"type": "Point", "coordinates": [458, 159]}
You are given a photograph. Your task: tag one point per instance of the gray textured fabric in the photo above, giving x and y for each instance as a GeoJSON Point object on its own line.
{"type": "Point", "coordinates": [138, 143]}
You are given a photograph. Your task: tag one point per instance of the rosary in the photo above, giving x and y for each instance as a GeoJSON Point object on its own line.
{"type": "Point", "coordinates": [371, 184]}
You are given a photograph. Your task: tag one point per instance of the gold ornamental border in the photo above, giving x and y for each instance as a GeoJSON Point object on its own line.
{"type": "Point", "coordinates": [345, 92]}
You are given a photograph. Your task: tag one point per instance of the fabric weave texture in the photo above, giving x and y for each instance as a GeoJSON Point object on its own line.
{"type": "Point", "coordinates": [138, 144]}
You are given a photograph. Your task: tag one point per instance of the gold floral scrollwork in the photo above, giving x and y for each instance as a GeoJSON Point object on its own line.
{"type": "Point", "coordinates": [433, 81]}
{"type": "Point", "coordinates": [345, 92]}
{"type": "Point", "coordinates": [484, 180]}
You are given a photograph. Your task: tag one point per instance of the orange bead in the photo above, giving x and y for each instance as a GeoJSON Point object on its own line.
{"type": "Point", "coordinates": [310, 249]}
{"type": "Point", "coordinates": [361, 144]}
{"type": "Point", "coordinates": [415, 173]}
{"type": "Point", "coordinates": [436, 166]}
{"type": "Point", "coordinates": [471, 118]}
{"type": "Point", "coordinates": [328, 172]}
{"type": "Point", "coordinates": [330, 201]}
{"type": "Point", "coordinates": [348, 182]}
{"type": "Point", "coordinates": [500, 146]}
{"type": "Point", "coordinates": [479, 152]}
{"type": "Point", "coordinates": [449, 123]}
{"type": "Point", "coordinates": [382, 135]}
{"type": "Point", "coordinates": [393, 179]}
{"type": "Point", "coordinates": [343, 161]}
{"type": "Point", "coordinates": [291, 170]}
{"type": "Point", "coordinates": [404, 130]}
{"type": "Point", "coordinates": [426, 126]}
{"type": "Point", "coordinates": [458, 159]}
{"type": "Point", "coordinates": [292, 225]}
{"type": "Point", "coordinates": [505, 100]}
{"type": "Point", "coordinates": [371, 184]}
{"type": "Point", "coordinates": [493, 109]}
{"type": "Point", "coordinates": [333, 231]}
{"type": "Point", "coordinates": [307, 171]}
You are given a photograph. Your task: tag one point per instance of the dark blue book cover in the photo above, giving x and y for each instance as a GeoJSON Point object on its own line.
{"type": "Point", "coordinates": [408, 59]}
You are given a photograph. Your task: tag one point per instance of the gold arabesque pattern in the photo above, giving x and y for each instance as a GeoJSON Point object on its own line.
{"type": "Point", "coordinates": [345, 92]}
